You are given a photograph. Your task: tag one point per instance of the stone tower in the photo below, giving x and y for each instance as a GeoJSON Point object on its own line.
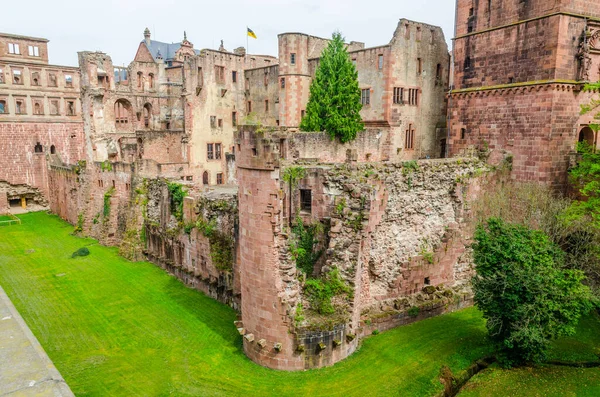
{"type": "Point", "coordinates": [519, 70]}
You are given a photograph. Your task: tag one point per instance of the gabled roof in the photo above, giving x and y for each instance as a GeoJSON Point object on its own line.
{"type": "Point", "coordinates": [167, 51]}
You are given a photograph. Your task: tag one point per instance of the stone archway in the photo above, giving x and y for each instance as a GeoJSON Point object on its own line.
{"type": "Point", "coordinates": [586, 134]}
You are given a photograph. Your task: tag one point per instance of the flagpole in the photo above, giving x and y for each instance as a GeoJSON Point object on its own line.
{"type": "Point", "coordinates": [247, 43]}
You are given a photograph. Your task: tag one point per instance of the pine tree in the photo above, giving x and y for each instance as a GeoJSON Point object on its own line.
{"type": "Point", "coordinates": [334, 104]}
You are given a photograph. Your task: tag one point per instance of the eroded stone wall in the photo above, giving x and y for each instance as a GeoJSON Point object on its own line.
{"type": "Point", "coordinates": [393, 233]}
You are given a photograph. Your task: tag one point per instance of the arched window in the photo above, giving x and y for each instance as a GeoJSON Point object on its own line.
{"type": "Point", "coordinates": [37, 109]}
{"type": "Point", "coordinates": [38, 148]}
{"type": "Point", "coordinates": [122, 112]}
{"type": "Point", "coordinates": [147, 114]}
{"type": "Point", "coordinates": [52, 149]}
{"type": "Point", "coordinates": [151, 80]}
{"type": "Point", "coordinates": [205, 178]}
{"type": "Point", "coordinates": [587, 135]}
{"type": "Point", "coordinates": [140, 80]}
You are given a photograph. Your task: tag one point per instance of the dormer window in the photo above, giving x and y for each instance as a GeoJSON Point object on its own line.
{"type": "Point", "coordinates": [14, 49]}
{"type": "Point", "coordinates": [34, 51]}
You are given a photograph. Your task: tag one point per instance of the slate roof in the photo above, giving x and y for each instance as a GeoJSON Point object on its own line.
{"type": "Point", "coordinates": [167, 51]}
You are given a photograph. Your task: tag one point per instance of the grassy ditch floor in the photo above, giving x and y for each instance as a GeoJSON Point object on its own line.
{"type": "Point", "coordinates": [120, 328]}
{"type": "Point", "coordinates": [548, 380]}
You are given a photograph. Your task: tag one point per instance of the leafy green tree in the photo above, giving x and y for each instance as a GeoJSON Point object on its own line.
{"type": "Point", "coordinates": [527, 296]}
{"type": "Point", "coordinates": [334, 104]}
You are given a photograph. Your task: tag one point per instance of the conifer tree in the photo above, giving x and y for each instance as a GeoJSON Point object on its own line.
{"type": "Point", "coordinates": [334, 104]}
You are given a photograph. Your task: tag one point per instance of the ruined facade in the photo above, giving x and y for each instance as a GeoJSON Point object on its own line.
{"type": "Point", "coordinates": [392, 237]}
{"type": "Point", "coordinates": [40, 120]}
{"type": "Point", "coordinates": [403, 85]}
{"type": "Point", "coordinates": [519, 70]}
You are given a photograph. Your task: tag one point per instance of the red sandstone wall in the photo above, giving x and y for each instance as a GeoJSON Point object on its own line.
{"type": "Point", "coordinates": [21, 165]}
{"type": "Point", "coordinates": [538, 125]}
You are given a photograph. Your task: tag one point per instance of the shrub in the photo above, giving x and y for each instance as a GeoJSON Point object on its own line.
{"type": "Point", "coordinates": [303, 246]}
{"type": "Point", "coordinates": [526, 294]}
{"type": "Point", "coordinates": [414, 311]}
{"type": "Point", "coordinates": [177, 194]}
{"type": "Point", "coordinates": [81, 252]}
{"type": "Point", "coordinates": [320, 291]}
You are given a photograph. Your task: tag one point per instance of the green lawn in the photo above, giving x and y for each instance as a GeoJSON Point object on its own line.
{"type": "Point", "coordinates": [119, 328]}
{"type": "Point", "coordinates": [546, 381]}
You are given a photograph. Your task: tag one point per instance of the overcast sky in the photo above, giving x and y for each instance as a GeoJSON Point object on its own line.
{"type": "Point", "coordinates": [116, 26]}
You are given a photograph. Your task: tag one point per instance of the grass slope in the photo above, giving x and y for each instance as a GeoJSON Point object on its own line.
{"type": "Point", "coordinates": [119, 328]}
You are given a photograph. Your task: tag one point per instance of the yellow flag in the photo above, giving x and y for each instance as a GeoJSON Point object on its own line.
{"type": "Point", "coordinates": [251, 33]}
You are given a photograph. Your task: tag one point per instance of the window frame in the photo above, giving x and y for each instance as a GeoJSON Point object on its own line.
{"type": "Point", "coordinates": [292, 58]}
{"type": "Point", "coordinates": [14, 49]}
{"type": "Point", "coordinates": [365, 100]}
{"type": "Point", "coordinates": [210, 153]}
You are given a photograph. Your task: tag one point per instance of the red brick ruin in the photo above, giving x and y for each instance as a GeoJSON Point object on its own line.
{"type": "Point", "coordinates": [107, 147]}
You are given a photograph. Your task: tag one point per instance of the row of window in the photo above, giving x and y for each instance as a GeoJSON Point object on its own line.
{"type": "Point", "coordinates": [141, 79]}
{"type": "Point", "coordinates": [413, 96]}
{"type": "Point", "coordinates": [20, 107]}
{"type": "Point", "coordinates": [32, 50]}
{"type": "Point", "coordinates": [36, 80]}
{"type": "Point", "coordinates": [213, 151]}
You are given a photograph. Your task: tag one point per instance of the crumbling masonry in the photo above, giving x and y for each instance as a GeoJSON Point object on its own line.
{"type": "Point", "coordinates": [180, 158]}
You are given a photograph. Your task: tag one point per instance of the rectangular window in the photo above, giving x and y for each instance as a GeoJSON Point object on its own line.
{"type": "Point", "coordinates": [213, 121]}
{"type": "Point", "coordinates": [217, 151]}
{"type": "Point", "coordinates": [413, 96]}
{"type": "Point", "coordinates": [17, 77]}
{"type": "Point", "coordinates": [293, 58]}
{"type": "Point", "coordinates": [354, 61]}
{"type": "Point", "coordinates": [210, 154]}
{"type": "Point", "coordinates": [249, 107]}
{"type": "Point", "coordinates": [380, 61]}
{"type": "Point", "coordinates": [34, 51]}
{"type": "Point", "coordinates": [52, 81]}
{"type": "Point", "coordinates": [305, 200]}
{"type": "Point", "coordinates": [70, 108]}
{"type": "Point", "coordinates": [200, 77]}
{"type": "Point", "coordinates": [14, 49]}
{"type": "Point", "coordinates": [54, 107]}
{"type": "Point", "coordinates": [35, 78]}
{"type": "Point", "coordinates": [283, 82]}
{"type": "Point", "coordinates": [234, 119]}
{"type": "Point", "coordinates": [266, 105]}
{"type": "Point", "coordinates": [409, 138]}
{"type": "Point", "coordinates": [407, 31]}
{"type": "Point", "coordinates": [399, 95]}
{"type": "Point", "coordinates": [38, 107]}
{"type": "Point", "coordinates": [418, 33]}
{"type": "Point", "coordinates": [3, 107]}
{"type": "Point", "coordinates": [220, 74]}
{"type": "Point", "coordinates": [220, 123]}
{"type": "Point", "coordinates": [1, 76]}
{"type": "Point", "coordinates": [419, 66]}
{"type": "Point", "coordinates": [234, 76]}
{"type": "Point", "coordinates": [20, 106]}
{"type": "Point", "coordinates": [365, 96]}
{"type": "Point", "coordinates": [219, 178]}
{"type": "Point", "coordinates": [302, 113]}
{"type": "Point", "coordinates": [266, 79]}
{"type": "Point", "coordinates": [68, 80]}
